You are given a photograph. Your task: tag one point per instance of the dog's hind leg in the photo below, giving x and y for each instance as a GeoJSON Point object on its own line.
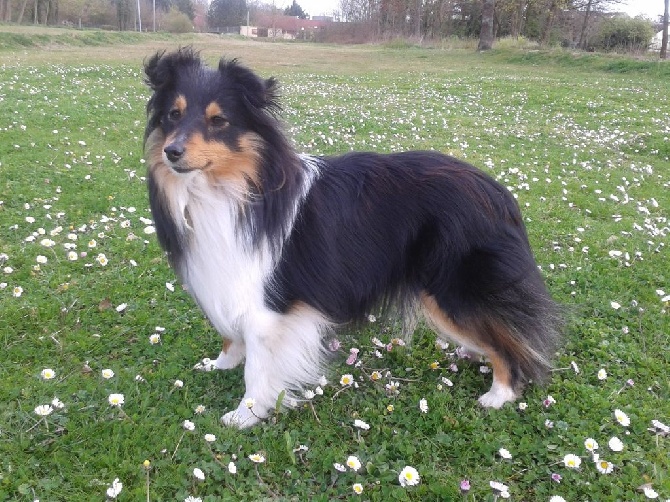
{"type": "Point", "coordinates": [475, 338]}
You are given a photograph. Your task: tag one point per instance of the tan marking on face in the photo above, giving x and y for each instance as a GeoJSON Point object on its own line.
{"type": "Point", "coordinates": [154, 155]}
{"type": "Point", "coordinates": [221, 163]}
{"type": "Point", "coordinates": [213, 110]}
{"type": "Point", "coordinates": [180, 104]}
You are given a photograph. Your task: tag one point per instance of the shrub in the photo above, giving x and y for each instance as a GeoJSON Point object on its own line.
{"type": "Point", "coordinates": [177, 22]}
{"type": "Point", "coordinates": [624, 33]}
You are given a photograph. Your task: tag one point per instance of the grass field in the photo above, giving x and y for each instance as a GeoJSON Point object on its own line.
{"type": "Point", "coordinates": [90, 309]}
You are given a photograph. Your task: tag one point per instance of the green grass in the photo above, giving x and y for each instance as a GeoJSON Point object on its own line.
{"type": "Point", "coordinates": [586, 150]}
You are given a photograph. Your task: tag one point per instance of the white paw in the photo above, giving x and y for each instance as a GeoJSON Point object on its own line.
{"type": "Point", "coordinates": [240, 418]}
{"type": "Point", "coordinates": [225, 361]}
{"type": "Point", "coordinates": [229, 360]}
{"type": "Point", "coordinates": [497, 396]}
{"type": "Point", "coordinates": [205, 365]}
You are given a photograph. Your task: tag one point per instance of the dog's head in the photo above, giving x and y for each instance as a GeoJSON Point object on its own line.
{"type": "Point", "coordinates": [216, 121]}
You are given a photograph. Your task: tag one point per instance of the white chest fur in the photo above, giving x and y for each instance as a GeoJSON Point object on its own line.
{"type": "Point", "coordinates": [221, 269]}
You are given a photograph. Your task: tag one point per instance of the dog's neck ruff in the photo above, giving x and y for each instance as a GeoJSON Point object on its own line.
{"type": "Point", "coordinates": [224, 265]}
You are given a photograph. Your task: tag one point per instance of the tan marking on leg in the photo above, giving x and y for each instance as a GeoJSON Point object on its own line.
{"type": "Point", "coordinates": [475, 339]}
{"type": "Point", "coordinates": [501, 370]}
{"type": "Point", "coordinates": [226, 345]}
{"type": "Point", "coordinates": [446, 328]}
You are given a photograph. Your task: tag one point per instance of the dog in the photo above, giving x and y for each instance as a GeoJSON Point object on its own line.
{"type": "Point", "coordinates": [279, 249]}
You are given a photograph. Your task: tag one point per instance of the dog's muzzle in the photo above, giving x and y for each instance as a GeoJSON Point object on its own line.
{"type": "Point", "coordinates": [174, 153]}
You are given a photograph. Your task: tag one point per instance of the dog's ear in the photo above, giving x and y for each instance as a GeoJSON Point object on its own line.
{"type": "Point", "coordinates": [272, 95]}
{"type": "Point", "coordinates": [152, 70]}
{"type": "Point", "coordinates": [256, 92]}
{"type": "Point", "coordinates": [161, 67]}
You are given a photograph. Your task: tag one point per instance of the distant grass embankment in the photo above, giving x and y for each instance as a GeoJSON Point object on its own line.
{"type": "Point", "coordinates": [610, 63]}
{"type": "Point", "coordinates": [21, 38]}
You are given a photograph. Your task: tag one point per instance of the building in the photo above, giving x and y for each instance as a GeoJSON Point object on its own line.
{"type": "Point", "coordinates": [284, 27]}
{"type": "Point", "coordinates": [656, 42]}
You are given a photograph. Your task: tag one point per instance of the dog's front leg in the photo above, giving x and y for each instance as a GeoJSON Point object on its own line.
{"type": "Point", "coordinates": [284, 352]}
{"type": "Point", "coordinates": [232, 354]}
{"type": "Point", "coordinates": [263, 382]}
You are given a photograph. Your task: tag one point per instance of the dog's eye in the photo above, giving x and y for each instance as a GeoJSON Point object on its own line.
{"type": "Point", "coordinates": [174, 114]}
{"type": "Point", "coordinates": [218, 121]}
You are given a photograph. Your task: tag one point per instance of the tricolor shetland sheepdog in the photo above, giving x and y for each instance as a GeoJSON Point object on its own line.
{"type": "Point", "coordinates": [278, 249]}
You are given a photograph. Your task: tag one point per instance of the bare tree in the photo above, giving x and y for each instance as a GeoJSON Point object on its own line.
{"type": "Point", "coordinates": [554, 8]}
{"type": "Point", "coordinates": [5, 10]}
{"type": "Point", "coordinates": [582, 34]}
{"type": "Point", "coordinates": [486, 33]}
{"type": "Point", "coordinates": [21, 11]}
{"type": "Point", "coordinates": [358, 10]}
{"type": "Point", "coordinates": [518, 18]}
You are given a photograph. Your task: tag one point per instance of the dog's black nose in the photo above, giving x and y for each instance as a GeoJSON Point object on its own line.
{"type": "Point", "coordinates": [174, 151]}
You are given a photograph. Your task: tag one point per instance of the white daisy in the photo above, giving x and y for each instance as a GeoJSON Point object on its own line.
{"type": "Point", "coordinates": [116, 399]}
{"type": "Point", "coordinates": [47, 374]}
{"type": "Point", "coordinates": [621, 417]}
{"type": "Point", "coordinates": [615, 444]}
{"type": "Point", "coordinates": [114, 490]}
{"type": "Point", "coordinates": [257, 458]}
{"type": "Point", "coordinates": [361, 425]}
{"type": "Point", "coordinates": [572, 461]}
{"type": "Point", "coordinates": [591, 444]}
{"type": "Point", "coordinates": [604, 467]}
{"type": "Point", "coordinates": [504, 453]}
{"type": "Point", "coordinates": [409, 476]}
{"type": "Point", "coordinates": [353, 463]}
{"type": "Point", "coordinates": [43, 410]}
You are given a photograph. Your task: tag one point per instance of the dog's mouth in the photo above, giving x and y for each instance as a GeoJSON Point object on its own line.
{"type": "Point", "coordinates": [184, 168]}
{"type": "Point", "coordinates": [180, 166]}
{"type": "Point", "coordinates": [179, 169]}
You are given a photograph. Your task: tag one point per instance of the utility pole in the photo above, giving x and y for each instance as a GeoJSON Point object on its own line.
{"type": "Point", "coordinates": [664, 40]}
{"type": "Point", "coordinates": [139, 16]}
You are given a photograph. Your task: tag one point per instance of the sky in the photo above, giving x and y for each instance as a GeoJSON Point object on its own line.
{"type": "Point", "coordinates": [650, 8]}
{"type": "Point", "coordinates": [316, 7]}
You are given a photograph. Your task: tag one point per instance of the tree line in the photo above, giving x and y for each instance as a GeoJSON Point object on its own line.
{"type": "Point", "coordinates": [583, 24]}
{"type": "Point", "coordinates": [120, 15]}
